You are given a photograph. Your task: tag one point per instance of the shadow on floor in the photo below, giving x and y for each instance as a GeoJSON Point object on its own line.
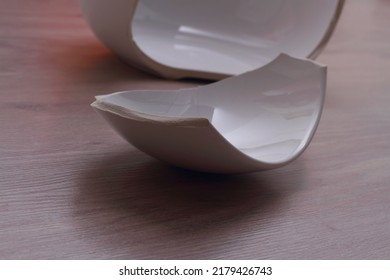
{"type": "Point", "coordinates": [130, 198]}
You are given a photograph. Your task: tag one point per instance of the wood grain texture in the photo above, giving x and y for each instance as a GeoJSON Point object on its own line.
{"type": "Point", "coordinates": [70, 188]}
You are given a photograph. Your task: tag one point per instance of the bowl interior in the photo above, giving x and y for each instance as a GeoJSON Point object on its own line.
{"type": "Point", "coordinates": [229, 36]}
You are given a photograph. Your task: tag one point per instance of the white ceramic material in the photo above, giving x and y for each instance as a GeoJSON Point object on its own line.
{"type": "Point", "coordinates": [258, 120]}
{"type": "Point", "coordinates": [211, 39]}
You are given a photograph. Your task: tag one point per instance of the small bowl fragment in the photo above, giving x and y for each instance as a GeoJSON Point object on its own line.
{"type": "Point", "coordinates": [259, 120]}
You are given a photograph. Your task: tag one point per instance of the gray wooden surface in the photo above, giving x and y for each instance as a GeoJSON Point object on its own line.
{"type": "Point", "coordinates": [70, 188]}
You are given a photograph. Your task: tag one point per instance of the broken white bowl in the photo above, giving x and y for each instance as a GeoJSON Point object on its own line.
{"type": "Point", "coordinates": [258, 120]}
{"type": "Point", "coordinates": [211, 39]}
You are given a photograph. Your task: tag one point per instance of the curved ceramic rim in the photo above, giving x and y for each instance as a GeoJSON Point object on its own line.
{"type": "Point", "coordinates": [332, 26]}
{"type": "Point", "coordinates": [136, 57]}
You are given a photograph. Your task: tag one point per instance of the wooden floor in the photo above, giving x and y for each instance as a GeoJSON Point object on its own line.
{"type": "Point", "coordinates": [71, 188]}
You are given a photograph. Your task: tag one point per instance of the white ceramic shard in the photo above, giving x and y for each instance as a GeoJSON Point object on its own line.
{"type": "Point", "coordinates": [211, 39]}
{"type": "Point", "coordinates": [258, 120]}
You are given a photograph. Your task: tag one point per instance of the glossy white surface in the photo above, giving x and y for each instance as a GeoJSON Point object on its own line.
{"type": "Point", "coordinates": [255, 121]}
{"type": "Point", "coordinates": [210, 39]}
{"type": "Point", "coordinates": [229, 36]}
